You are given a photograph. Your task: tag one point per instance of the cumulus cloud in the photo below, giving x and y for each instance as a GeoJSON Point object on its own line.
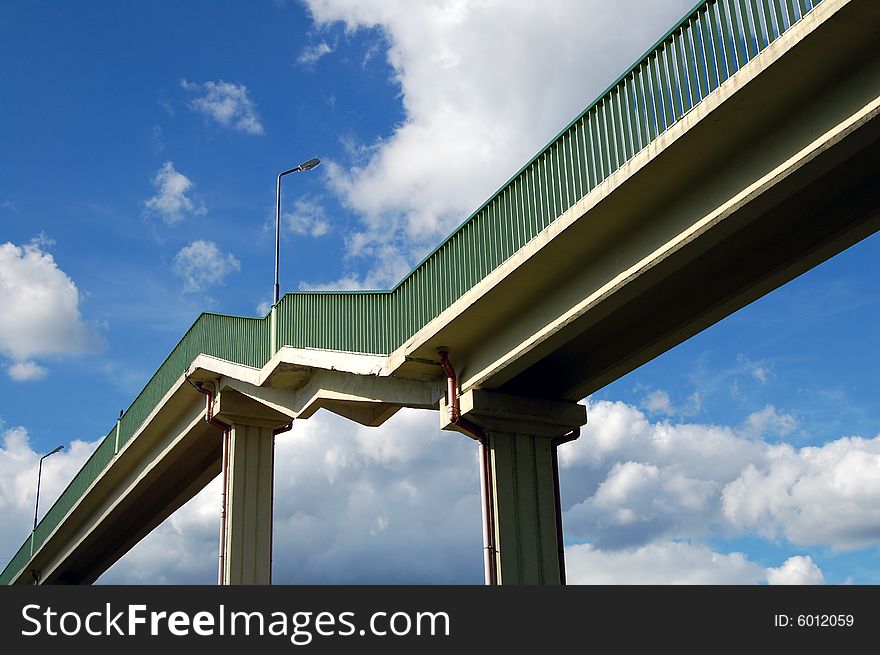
{"type": "Point", "coordinates": [172, 202]}
{"type": "Point", "coordinates": [797, 570]}
{"type": "Point", "coordinates": [41, 315]}
{"type": "Point", "coordinates": [666, 562]}
{"type": "Point", "coordinates": [227, 103]}
{"type": "Point", "coordinates": [202, 264]}
{"type": "Point", "coordinates": [820, 495]}
{"type": "Point", "coordinates": [637, 503]}
{"type": "Point", "coordinates": [769, 422]}
{"type": "Point", "coordinates": [631, 482]}
{"type": "Point", "coordinates": [682, 563]}
{"type": "Point", "coordinates": [618, 432]}
{"type": "Point", "coordinates": [483, 86]}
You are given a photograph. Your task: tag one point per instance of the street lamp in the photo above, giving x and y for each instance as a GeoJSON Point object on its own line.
{"type": "Point", "coordinates": [40, 475]}
{"type": "Point", "coordinates": [305, 166]}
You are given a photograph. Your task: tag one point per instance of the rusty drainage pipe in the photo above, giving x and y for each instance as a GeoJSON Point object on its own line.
{"type": "Point", "coordinates": [489, 537]}
{"type": "Point", "coordinates": [486, 489]}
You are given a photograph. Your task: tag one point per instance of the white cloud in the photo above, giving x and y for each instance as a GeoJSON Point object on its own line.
{"type": "Point", "coordinates": [308, 218]}
{"type": "Point", "coordinates": [797, 570]}
{"type": "Point", "coordinates": [311, 54]}
{"type": "Point", "coordinates": [631, 482]}
{"type": "Point", "coordinates": [401, 504]}
{"type": "Point", "coordinates": [202, 264]}
{"type": "Point", "coordinates": [658, 402]}
{"type": "Point", "coordinates": [26, 371]}
{"type": "Point", "coordinates": [637, 503]}
{"type": "Point", "coordinates": [827, 495]}
{"type": "Point", "coordinates": [769, 422]}
{"type": "Point", "coordinates": [227, 103]}
{"type": "Point", "coordinates": [172, 202]}
{"type": "Point", "coordinates": [663, 563]}
{"type": "Point", "coordinates": [40, 314]}
{"type": "Point", "coordinates": [674, 562]}
{"type": "Point", "coordinates": [483, 87]}
{"type": "Point", "coordinates": [618, 432]}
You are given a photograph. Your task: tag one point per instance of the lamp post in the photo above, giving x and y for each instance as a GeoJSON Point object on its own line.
{"type": "Point", "coordinates": [39, 476]}
{"type": "Point", "coordinates": [305, 166]}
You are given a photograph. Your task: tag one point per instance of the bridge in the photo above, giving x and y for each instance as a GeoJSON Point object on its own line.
{"type": "Point", "coordinates": [736, 154]}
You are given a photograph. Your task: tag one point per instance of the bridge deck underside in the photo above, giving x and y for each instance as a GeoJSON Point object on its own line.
{"type": "Point", "coordinates": [775, 243]}
{"type": "Point", "coordinates": [785, 169]}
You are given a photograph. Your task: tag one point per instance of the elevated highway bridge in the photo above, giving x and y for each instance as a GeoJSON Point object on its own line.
{"type": "Point", "coordinates": [738, 153]}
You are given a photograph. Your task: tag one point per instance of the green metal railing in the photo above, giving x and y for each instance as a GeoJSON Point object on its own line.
{"type": "Point", "coordinates": [693, 59]}
{"type": "Point", "coordinates": [237, 339]}
{"type": "Point", "coordinates": [325, 320]}
{"type": "Point", "coordinates": [700, 53]}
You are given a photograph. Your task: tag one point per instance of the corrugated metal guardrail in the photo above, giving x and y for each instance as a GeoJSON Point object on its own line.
{"type": "Point", "coordinates": [711, 44]}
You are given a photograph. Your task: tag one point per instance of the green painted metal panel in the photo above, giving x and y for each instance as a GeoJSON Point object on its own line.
{"type": "Point", "coordinates": [618, 124]}
{"type": "Point", "coordinates": [750, 30]}
{"type": "Point", "coordinates": [710, 62]}
{"type": "Point", "coordinates": [694, 58]}
{"type": "Point", "coordinates": [689, 64]}
{"type": "Point", "coordinates": [767, 20]}
{"type": "Point", "coordinates": [18, 562]}
{"type": "Point", "coordinates": [736, 33]}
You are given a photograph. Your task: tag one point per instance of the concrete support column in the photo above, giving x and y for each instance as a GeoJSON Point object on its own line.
{"type": "Point", "coordinates": [524, 504]}
{"type": "Point", "coordinates": [249, 472]}
{"type": "Point", "coordinates": [523, 491]}
{"type": "Point", "coordinates": [248, 505]}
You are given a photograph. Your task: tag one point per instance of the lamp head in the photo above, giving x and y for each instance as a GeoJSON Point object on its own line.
{"type": "Point", "coordinates": [309, 165]}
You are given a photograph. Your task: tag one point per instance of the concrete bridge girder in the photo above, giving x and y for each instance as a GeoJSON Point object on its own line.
{"type": "Point", "coordinates": [169, 460]}
{"type": "Point", "coordinates": [766, 177]}
{"type": "Point", "coordinates": [366, 399]}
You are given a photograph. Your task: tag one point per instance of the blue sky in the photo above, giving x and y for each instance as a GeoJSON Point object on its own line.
{"type": "Point", "coordinates": [140, 145]}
